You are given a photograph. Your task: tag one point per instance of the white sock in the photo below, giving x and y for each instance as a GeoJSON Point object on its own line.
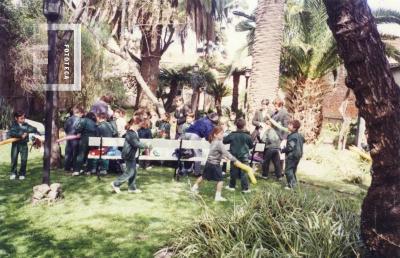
{"type": "Point", "coordinates": [195, 187]}
{"type": "Point", "coordinates": [218, 195]}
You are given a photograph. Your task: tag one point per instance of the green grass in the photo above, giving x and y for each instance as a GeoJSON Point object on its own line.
{"type": "Point", "coordinates": [93, 222]}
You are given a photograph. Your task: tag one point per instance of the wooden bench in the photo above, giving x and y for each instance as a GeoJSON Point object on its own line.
{"type": "Point", "coordinates": [164, 148]}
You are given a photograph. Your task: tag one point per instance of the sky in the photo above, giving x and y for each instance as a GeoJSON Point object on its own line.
{"type": "Point", "coordinates": [374, 4]}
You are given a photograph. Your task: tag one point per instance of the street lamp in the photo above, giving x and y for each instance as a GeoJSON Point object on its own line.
{"type": "Point", "coordinates": [247, 74]}
{"type": "Point", "coordinates": [52, 10]}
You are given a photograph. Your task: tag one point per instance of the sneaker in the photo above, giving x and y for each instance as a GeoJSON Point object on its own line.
{"type": "Point", "coordinates": [229, 188]}
{"type": "Point", "coordinates": [103, 172]}
{"type": "Point", "coordinates": [246, 191]}
{"type": "Point", "coordinates": [148, 168]}
{"type": "Point", "coordinates": [288, 188]}
{"type": "Point", "coordinates": [264, 177]}
{"type": "Point", "coordinates": [194, 190]}
{"type": "Point", "coordinates": [21, 177]}
{"type": "Point", "coordinates": [13, 177]}
{"type": "Point", "coordinates": [220, 199]}
{"type": "Point", "coordinates": [134, 191]}
{"type": "Point", "coordinates": [76, 173]}
{"type": "Point", "coordinates": [115, 188]}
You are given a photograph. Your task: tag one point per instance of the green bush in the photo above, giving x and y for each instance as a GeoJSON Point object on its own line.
{"type": "Point", "coordinates": [276, 224]}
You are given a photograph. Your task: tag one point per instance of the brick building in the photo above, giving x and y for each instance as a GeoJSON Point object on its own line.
{"type": "Point", "coordinates": [335, 98]}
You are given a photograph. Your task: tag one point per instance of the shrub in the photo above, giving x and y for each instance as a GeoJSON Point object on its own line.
{"type": "Point", "coordinates": [276, 224]}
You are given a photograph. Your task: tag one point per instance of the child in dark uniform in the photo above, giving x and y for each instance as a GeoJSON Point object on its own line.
{"type": "Point", "coordinates": [212, 169]}
{"type": "Point", "coordinates": [294, 152]}
{"type": "Point", "coordinates": [20, 129]}
{"type": "Point", "coordinates": [240, 144]}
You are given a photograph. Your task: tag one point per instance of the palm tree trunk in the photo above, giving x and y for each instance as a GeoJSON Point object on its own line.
{"type": "Point", "coordinates": [304, 99]}
{"type": "Point", "coordinates": [235, 91]}
{"type": "Point", "coordinates": [266, 51]}
{"type": "Point", "coordinates": [377, 97]}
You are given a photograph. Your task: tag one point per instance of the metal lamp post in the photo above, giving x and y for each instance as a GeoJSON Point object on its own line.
{"type": "Point", "coordinates": [52, 10]}
{"type": "Point", "coordinates": [247, 74]}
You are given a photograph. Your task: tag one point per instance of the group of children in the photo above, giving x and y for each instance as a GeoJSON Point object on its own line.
{"type": "Point", "coordinates": [79, 127]}
{"type": "Point", "coordinates": [241, 143]}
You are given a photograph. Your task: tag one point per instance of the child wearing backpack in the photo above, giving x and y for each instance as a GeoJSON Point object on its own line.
{"type": "Point", "coordinates": [240, 144]}
{"type": "Point", "coordinates": [131, 145]}
{"type": "Point", "coordinates": [294, 152]}
{"type": "Point", "coordinates": [20, 129]}
{"type": "Point", "coordinates": [212, 169]}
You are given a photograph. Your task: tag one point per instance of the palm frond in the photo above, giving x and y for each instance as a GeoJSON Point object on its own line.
{"type": "Point", "coordinates": [392, 52]}
{"type": "Point", "coordinates": [386, 16]}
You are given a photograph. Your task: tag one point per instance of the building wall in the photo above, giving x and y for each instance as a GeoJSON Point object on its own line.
{"type": "Point", "coordinates": [334, 99]}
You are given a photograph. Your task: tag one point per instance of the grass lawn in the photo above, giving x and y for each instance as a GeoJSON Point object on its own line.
{"type": "Point", "coordinates": [93, 222]}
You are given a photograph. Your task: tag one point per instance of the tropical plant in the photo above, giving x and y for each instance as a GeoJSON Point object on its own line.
{"type": "Point", "coordinates": [308, 54]}
{"type": "Point", "coordinates": [174, 79]}
{"type": "Point", "coordinates": [275, 224]}
{"type": "Point", "coordinates": [218, 91]}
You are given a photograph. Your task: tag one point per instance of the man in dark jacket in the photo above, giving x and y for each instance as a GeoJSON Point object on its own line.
{"type": "Point", "coordinates": [201, 128]}
{"type": "Point", "coordinates": [240, 145]}
{"type": "Point", "coordinates": [294, 152]}
{"type": "Point", "coordinates": [72, 146]}
{"type": "Point", "coordinates": [20, 129]}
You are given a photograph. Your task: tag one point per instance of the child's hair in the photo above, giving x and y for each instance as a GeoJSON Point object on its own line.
{"type": "Point", "coordinates": [167, 116]}
{"type": "Point", "coordinates": [107, 98]}
{"type": "Point", "coordinates": [91, 116]}
{"type": "Point", "coordinates": [135, 120]}
{"type": "Point", "coordinates": [190, 114]}
{"type": "Point", "coordinates": [78, 109]}
{"type": "Point", "coordinates": [19, 113]}
{"type": "Point", "coordinates": [214, 132]}
{"type": "Point", "coordinates": [145, 123]}
{"type": "Point", "coordinates": [296, 124]}
{"type": "Point", "coordinates": [240, 123]}
{"type": "Point", "coordinates": [278, 102]}
{"type": "Point", "coordinates": [178, 98]}
{"type": "Point", "coordinates": [120, 111]}
{"type": "Point", "coordinates": [102, 116]}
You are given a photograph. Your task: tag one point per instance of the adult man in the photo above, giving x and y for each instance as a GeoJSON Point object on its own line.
{"type": "Point", "coordinates": [260, 117]}
{"type": "Point", "coordinates": [281, 116]}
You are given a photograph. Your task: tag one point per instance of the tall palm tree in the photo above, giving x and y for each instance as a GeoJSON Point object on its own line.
{"type": "Point", "coordinates": [264, 81]}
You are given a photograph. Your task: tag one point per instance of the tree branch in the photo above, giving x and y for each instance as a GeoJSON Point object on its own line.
{"type": "Point", "coordinates": [169, 41]}
{"type": "Point", "coordinates": [134, 57]}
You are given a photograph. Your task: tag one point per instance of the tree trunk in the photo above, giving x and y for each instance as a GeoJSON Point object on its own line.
{"type": "Point", "coordinates": [195, 100]}
{"type": "Point", "coordinates": [266, 51]}
{"type": "Point", "coordinates": [150, 49]}
{"type": "Point", "coordinates": [235, 91]}
{"type": "Point", "coordinates": [304, 99]}
{"type": "Point", "coordinates": [377, 97]}
{"type": "Point", "coordinates": [171, 96]}
{"type": "Point", "coordinates": [150, 70]}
